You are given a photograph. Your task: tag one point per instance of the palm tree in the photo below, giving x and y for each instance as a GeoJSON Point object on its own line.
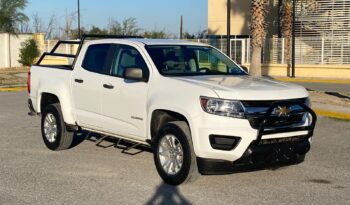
{"type": "Point", "coordinates": [287, 27]}
{"type": "Point", "coordinates": [258, 32]}
{"type": "Point", "coordinates": [11, 16]}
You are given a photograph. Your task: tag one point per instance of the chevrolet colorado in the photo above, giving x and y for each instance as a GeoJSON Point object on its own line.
{"type": "Point", "coordinates": [199, 111]}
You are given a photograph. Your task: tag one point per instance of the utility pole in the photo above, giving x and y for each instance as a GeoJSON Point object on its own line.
{"type": "Point", "coordinates": [79, 19]}
{"type": "Point", "coordinates": [228, 52]}
{"type": "Point", "coordinates": [293, 41]}
{"type": "Point", "coordinates": [181, 27]}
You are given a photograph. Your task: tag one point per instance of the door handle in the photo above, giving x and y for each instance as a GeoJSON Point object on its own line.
{"type": "Point", "coordinates": [79, 80]}
{"type": "Point", "coordinates": [107, 86]}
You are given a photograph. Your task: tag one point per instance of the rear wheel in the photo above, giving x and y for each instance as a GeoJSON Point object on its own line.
{"type": "Point", "coordinates": [174, 155]}
{"type": "Point", "coordinates": [54, 132]}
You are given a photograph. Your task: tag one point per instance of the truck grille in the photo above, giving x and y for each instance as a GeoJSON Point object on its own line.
{"type": "Point", "coordinates": [276, 121]}
{"type": "Point", "coordinates": [255, 112]}
{"type": "Point", "coordinates": [267, 103]}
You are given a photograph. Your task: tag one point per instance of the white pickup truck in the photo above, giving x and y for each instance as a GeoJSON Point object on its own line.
{"type": "Point", "coordinates": [199, 111]}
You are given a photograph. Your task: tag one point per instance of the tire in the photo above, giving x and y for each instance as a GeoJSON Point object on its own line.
{"type": "Point", "coordinates": [58, 138]}
{"type": "Point", "coordinates": [188, 171]}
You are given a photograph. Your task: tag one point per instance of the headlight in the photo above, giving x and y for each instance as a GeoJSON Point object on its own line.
{"type": "Point", "coordinates": [229, 108]}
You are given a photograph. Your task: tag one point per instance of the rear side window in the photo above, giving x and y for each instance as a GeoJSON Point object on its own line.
{"type": "Point", "coordinates": [96, 56]}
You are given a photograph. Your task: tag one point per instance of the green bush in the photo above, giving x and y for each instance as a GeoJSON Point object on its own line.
{"type": "Point", "coordinates": [28, 52]}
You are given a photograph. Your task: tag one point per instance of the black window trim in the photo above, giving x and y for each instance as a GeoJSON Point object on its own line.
{"type": "Point", "coordinates": [110, 55]}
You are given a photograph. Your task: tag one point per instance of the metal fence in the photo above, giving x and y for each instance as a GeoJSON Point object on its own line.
{"type": "Point", "coordinates": [308, 50]}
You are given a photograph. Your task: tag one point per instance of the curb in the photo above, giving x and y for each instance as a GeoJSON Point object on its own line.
{"type": "Point", "coordinates": [10, 89]}
{"type": "Point", "coordinates": [332, 114]}
{"type": "Point", "coordinates": [313, 80]}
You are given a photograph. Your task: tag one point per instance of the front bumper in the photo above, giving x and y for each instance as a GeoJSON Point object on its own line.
{"type": "Point", "coordinates": [262, 145]}
{"type": "Point", "coordinates": [257, 155]}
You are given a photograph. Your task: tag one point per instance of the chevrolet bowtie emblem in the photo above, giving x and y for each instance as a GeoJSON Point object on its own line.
{"type": "Point", "coordinates": [282, 111]}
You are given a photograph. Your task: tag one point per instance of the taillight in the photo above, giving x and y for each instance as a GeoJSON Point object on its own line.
{"type": "Point", "coordinates": [28, 82]}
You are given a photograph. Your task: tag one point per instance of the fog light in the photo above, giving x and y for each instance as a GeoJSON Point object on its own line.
{"type": "Point", "coordinates": [221, 142]}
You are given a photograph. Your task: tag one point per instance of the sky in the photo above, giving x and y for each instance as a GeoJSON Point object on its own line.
{"type": "Point", "coordinates": [150, 14]}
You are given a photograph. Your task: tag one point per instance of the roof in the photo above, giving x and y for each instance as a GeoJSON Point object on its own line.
{"type": "Point", "coordinates": [164, 41]}
{"type": "Point", "coordinates": [146, 41]}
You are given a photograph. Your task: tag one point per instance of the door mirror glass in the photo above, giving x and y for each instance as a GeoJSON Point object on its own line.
{"type": "Point", "coordinates": [134, 74]}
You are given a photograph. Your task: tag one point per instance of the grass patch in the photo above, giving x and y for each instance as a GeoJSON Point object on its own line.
{"type": "Point", "coordinates": [8, 76]}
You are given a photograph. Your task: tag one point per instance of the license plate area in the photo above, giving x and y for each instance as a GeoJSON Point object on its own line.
{"type": "Point", "coordinates": [284, 140]}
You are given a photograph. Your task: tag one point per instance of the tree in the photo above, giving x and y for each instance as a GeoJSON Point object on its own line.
{"type": "Point", "coordinates": [28, 52]}
{"type": "Point", "coordinates": [114, 27]}
{"type": "Point", "coordinates": [202, 33]}
{"type": "Point", "coordinates": [258, 32]}
{"type": "Point", "coordinates": [97, 30]}
{"type": "Point", "coordinates": [11, 15]}
{"type": "Point", "coordinates": [38, 24]}
{"type": "Point", "coordinates": [128, 27]}
{"type": "Point", "coordinates": [40, 27]}
{"type": "Point", "coordinates": [187, 35]}
{"type": "Point", "coordinates": [287, 27]}
{"type": "Point", "coordinates": [68, 26]}
{"type": "Point", "coordinates": [155, 33]}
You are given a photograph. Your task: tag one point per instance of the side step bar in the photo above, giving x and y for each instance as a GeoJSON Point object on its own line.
{"type": "Point", "coordinates": [125, 148]}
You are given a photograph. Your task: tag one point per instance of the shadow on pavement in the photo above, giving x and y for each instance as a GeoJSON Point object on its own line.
{"type": "Point", "coordinates": [167, 194]}
{"type": "Point", "coordinates": [338, 95]}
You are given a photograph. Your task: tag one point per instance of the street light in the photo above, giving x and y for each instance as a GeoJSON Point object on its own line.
{"type": "Point", "coordinates": [228, 52]}
{"type": "Point", "coordinates": [293, 42]}
{"type": "Point", "coordinates": [79, 18]}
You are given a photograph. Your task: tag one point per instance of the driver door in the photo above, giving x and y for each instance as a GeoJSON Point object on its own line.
{"type": "Point", "coordinates": [124, 102]}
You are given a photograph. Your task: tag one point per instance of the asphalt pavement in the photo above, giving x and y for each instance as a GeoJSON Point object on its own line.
{"type": "Point", "coordinates": [89, 174]}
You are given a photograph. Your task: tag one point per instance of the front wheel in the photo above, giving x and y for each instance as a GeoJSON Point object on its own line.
{"type": "Point", "coordinates": [54, 132]}
{"type": "Point", "coordinates": [174, 155]}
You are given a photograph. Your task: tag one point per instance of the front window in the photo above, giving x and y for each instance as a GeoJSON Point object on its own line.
{"type": "Point", "coordinates": [183, 60]}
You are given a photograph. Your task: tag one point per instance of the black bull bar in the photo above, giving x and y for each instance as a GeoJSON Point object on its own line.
{"type": "Point", "coordinates": [269, 114]}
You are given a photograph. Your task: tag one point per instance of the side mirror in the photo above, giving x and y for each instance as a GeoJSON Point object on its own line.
{"type": "Point", "coordinates": [136, 74]}
{"type": "Point", "coordinates": [244, 68]}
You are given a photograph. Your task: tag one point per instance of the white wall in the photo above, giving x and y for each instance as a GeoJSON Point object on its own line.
{"type": "Point", "coordinates": [11, 53]}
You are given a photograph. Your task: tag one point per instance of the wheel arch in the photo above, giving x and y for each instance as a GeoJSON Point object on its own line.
{"type": "Point", "coordinates": [46, 98]}
{"type": "Point", "coordinates": [160, 117]}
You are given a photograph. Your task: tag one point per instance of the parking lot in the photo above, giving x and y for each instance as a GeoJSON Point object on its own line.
{"type": "Point", "coordinates": [90, 174]}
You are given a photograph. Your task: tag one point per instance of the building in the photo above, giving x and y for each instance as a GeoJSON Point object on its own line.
{"type": "Point", "coordinates": [322, 31]}
{"type": "Point", "coordinates": [240, 18]}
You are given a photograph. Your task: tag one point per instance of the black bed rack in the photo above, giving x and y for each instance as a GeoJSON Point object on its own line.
{"type": "Point", "coordinates": [80, 43]}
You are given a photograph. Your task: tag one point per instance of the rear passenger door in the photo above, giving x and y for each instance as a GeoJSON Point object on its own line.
{"type": "Point", "coordinates": [87, 84]}
{"type": "Point", "coordinates": [124, 102]}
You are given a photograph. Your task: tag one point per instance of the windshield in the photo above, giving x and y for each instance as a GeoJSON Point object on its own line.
{"type": "Point", "coordinates": [183, 60]}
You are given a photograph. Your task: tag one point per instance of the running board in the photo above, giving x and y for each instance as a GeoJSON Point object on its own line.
{"type": "Point", "coordinates": [125, 148]}
{"type": "Point", "coordinates": [128, 139]}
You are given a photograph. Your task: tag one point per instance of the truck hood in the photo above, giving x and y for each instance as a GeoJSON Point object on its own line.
{"type": "Point", "coordinates": [247, 87]}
